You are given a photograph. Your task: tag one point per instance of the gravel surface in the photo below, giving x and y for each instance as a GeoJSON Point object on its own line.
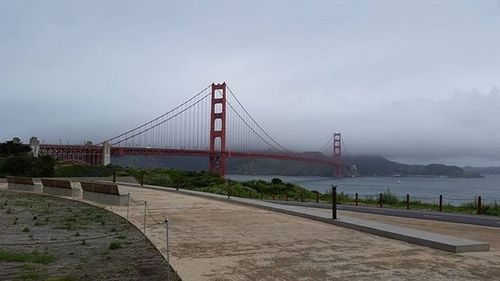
{"type": "Point", "coordinates": [49, 238]}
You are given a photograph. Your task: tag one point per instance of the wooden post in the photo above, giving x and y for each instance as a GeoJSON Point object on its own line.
{"type": "Point", "coordinates": [440, 203]}
{"type": "Point", "coordinates": [334, 202]}
{"type": "Point", "coordinates": [407, 201]}
{"type": "Point", "coordinates": [380, 200]}
{"type": "Point", "coordinates": [356, 199]}
{"type": "Point", "coordinates": [479, 206]}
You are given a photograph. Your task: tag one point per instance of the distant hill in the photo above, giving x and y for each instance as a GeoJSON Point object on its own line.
{"type": "Point", "coordinates": [365, 165]}
{"type": "Point", "coordinates": [483, 170]}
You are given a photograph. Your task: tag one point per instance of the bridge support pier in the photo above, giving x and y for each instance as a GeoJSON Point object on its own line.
{"type": "Point", "coordinates": [35, 146]}
{"type": "Point", "coordinates": [106, 153]}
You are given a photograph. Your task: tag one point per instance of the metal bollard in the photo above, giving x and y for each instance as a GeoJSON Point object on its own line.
{"type": "Point", "coordinates": [302, 196]}
{"type": "Point", "coordinates": [479, 205]}
{"type": "Point", "coordinates": [317, 197]}
{"type": "Point", "coordinates": [380, 200]}
{"type": "Point", "coordinates": [440, 203]}
{"type": "Point", "coordinates": [356, 199]}
{"type": "Point", "coordinates": [286, 195]}
{"type": "Point", "coordinates": [407, 201]}
{"type": "Point", "coordinates": [273, 197]}
{"type": "Point", "coordinates": [142, 179]}
{"type": "Point", "coordinates": [114, 176]}
{"type": "Point", "coordinates": [334, 202]}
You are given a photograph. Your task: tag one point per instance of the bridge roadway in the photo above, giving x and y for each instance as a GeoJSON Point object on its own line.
{"type": "Point", "coordinates": [93, 153]}
{"type": "Point", "coordinates": [123, 151]}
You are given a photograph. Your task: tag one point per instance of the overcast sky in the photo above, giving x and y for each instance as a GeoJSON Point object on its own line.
{"type": "Point", "coordinates": [414, 81]}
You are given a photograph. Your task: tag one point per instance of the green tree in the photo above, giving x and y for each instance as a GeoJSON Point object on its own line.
{"type": "Point", "coordinates": [276, 181]}
{"type": "Point", "coordinates": [10, 148]}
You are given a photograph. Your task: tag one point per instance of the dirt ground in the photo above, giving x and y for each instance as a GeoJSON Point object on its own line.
{"type": "Point", "coordinates": [71, 241]}
{"type": "Point", "coordinates": [213, 240]}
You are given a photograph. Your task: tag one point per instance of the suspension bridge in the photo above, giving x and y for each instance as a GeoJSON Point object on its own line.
{"type": "Point", "coordinates": [213, 124]}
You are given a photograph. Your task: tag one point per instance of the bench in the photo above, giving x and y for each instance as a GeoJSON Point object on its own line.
{"type": "Point", "coordinates": [22, 183]}
{"type": "Point", "coordinates": [59, 187]}
{"type": "Point", "coordinates": [105, 193]}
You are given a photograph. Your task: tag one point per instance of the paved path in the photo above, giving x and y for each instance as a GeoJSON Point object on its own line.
{"type": "Point", "coordinates": [219, 240]}
{"type": "Point", "coordinates": [416, 214]}
{"type": "Point", "coordinates": [419, 237]}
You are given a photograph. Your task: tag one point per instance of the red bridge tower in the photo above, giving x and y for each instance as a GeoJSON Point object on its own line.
{"type": "Point", "coordinates": [337, 155]}
{"type": "Point", "coordinates": [217, 154]}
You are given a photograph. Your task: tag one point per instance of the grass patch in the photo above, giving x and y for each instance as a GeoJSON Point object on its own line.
{"type": "Point", "coordinates": [62, 278]}
{"type": "Point", "coordinates": [115, 244]}
{"type": "Point", "coordinates": [34, 257]}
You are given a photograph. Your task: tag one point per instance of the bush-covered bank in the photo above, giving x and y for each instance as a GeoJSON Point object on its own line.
{"type": "Point", "coordinates": [209, 182]}
{"type": "Point", "coordinates": [84, 171]}
{"type": "Point", "coordinates": [201, 181]}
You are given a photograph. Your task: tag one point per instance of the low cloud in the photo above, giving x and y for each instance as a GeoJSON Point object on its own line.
{"type": "Point", "coordinates": [463, 127]}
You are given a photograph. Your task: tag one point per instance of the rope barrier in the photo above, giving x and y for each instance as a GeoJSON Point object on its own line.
{"type": "Point", "coordinates": [149, 212]}
{"type": "Point", "coordinates": [141, 203]}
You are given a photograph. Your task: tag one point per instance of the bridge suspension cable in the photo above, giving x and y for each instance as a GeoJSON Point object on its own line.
{"type": "Point", "coordinates": [327, 148]}
{"type": "Point", "coordinates": [276, 145]}
{"type": "Point", "coordinates": [144, 127]}
{"type": "Point", "coordinates": [187, 127]}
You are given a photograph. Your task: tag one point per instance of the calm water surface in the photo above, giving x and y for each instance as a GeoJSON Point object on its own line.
{"type": "Point", "coordinates": [454, 190]}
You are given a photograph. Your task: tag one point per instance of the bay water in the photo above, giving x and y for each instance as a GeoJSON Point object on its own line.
{"type": "Point", "coordinates": [454, 190]}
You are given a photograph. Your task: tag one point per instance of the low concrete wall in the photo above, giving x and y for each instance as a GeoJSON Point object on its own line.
{"type": "Point", "coordinates": [62, 191]}
{"type": "Point", "coordinates": [25, 187]}
{"type": "Point", "coordinates": [108, 199]}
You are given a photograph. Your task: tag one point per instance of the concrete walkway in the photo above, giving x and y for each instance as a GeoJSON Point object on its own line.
{"type": "Point", "coordinates": [419, 237]}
